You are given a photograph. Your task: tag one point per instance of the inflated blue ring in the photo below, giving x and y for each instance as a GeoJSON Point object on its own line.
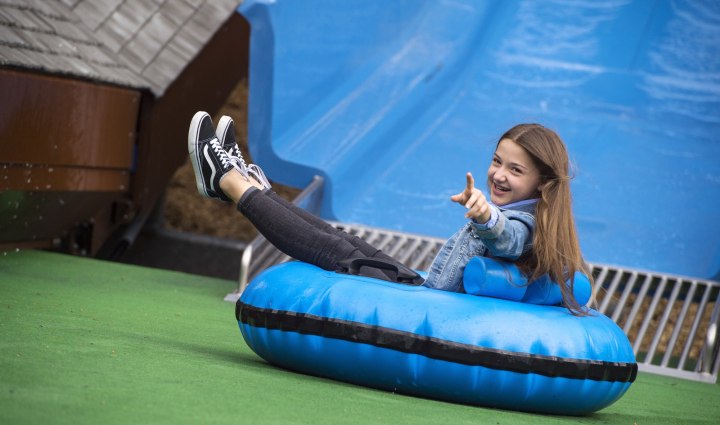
{"type": "Point", "coordinates": [491, 277]}
{"type": "Point", "coordinates": [442, 345]}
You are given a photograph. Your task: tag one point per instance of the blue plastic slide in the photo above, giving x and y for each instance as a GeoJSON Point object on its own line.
{"type": "Point", "coordinates": [394, 101]}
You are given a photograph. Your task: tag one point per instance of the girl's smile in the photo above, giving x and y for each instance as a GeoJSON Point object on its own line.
{"type": "Point", "coordinates": [512, 175]}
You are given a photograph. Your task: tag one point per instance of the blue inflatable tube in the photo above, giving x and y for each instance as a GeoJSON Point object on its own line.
{"type": "Point", "coordinates": [490, 277]}
{"type": "Point", "coordinates": [441, 345]}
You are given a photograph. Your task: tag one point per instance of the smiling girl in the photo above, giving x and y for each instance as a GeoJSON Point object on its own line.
{"type": "Point", "coordinates": [528, 219]}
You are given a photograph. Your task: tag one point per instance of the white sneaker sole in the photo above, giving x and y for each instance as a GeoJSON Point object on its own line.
{"type": "Point", "coordinates": [222, 129]}
{"type": "Point", "coordinates": [193, 138]}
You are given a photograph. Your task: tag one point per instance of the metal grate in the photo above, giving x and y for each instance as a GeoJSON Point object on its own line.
{"type": "Point", "coordinates": [671, 321]}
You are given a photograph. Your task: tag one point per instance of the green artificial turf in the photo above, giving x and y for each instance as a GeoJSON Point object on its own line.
{"type": "Point", "coordinates": [86, 341]}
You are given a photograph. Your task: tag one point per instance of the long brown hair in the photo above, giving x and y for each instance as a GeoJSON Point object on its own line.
{"type": "Point", "coordinates": [556, 250]}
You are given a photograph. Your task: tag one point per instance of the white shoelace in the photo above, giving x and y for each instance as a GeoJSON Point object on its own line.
{"type": "Point", "coordinates": [225, 160]}
{"type": "Point", "coordinates": [247, 171]}
{"type": "Point", "coordinates": [238, 161]}
{"type": "Point", "coordinates": [259, 175]}
{"type": "Point", "coordinates": [235, 153]}
{"type": "Point", "coordinates": [239, 164]}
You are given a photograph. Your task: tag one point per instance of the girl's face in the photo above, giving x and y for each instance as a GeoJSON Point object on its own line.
{"type": "Point", "coordinates": [512, 175]}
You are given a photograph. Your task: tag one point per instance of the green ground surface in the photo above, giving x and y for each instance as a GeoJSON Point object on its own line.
{"type": "Point", "coordinates": [86, 341]}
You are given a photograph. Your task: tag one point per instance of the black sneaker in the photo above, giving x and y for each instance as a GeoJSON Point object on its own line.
{"type": "Point", "coordinates": [210, 162]}
{"type": "Point", "coordinates": [226, 133]}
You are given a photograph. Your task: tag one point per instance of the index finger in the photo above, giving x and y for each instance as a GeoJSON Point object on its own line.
{"type": "Point", "coordinates": [470, 181]}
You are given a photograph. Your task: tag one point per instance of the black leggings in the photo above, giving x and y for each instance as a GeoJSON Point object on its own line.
{"type": "Point", "coordinates": [308, 238]}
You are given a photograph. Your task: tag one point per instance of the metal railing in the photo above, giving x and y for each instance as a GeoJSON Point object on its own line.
{"type": "Point", "coordinates": [672, 321]}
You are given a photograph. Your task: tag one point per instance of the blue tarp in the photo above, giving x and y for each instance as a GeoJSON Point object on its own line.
{"type": "Point", "coordinates": [392, 102]}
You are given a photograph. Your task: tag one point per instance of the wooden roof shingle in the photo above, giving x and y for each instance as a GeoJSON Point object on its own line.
{"type": "Point", "coordinates": [142, 44]}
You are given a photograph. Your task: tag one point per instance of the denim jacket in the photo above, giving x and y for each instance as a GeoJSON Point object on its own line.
{"type": "Point", "coordinates": [508, 238]}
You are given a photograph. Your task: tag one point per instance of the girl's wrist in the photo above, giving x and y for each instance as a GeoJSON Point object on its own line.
{"type": "Point", "coordinates": [488, 219]}
{"type": "Point", "coordinates": [480, 219]}
{"type": "Point", "coordinates": [483, 218]}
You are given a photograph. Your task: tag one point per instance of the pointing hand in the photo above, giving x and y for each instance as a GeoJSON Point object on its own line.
{"type": "Point", "coordinates": [474, 200]}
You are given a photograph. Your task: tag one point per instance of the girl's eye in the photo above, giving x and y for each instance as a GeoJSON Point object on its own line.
{"type": "Point", "coordinates": [496, 161]}
{"type": "Point", "coordinates": [517, 170]}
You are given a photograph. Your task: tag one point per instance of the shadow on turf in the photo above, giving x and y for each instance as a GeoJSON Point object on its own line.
{"type": "Point", "coordinates": [215, 352]}
{"type": "Point", "coordinates": [223, 354]}
{"type": "Point", "coordinates": [219, 353]}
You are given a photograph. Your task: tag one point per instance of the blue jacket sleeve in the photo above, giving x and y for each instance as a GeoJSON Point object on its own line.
{"type": "Point", "coordinates": [509, 236]}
